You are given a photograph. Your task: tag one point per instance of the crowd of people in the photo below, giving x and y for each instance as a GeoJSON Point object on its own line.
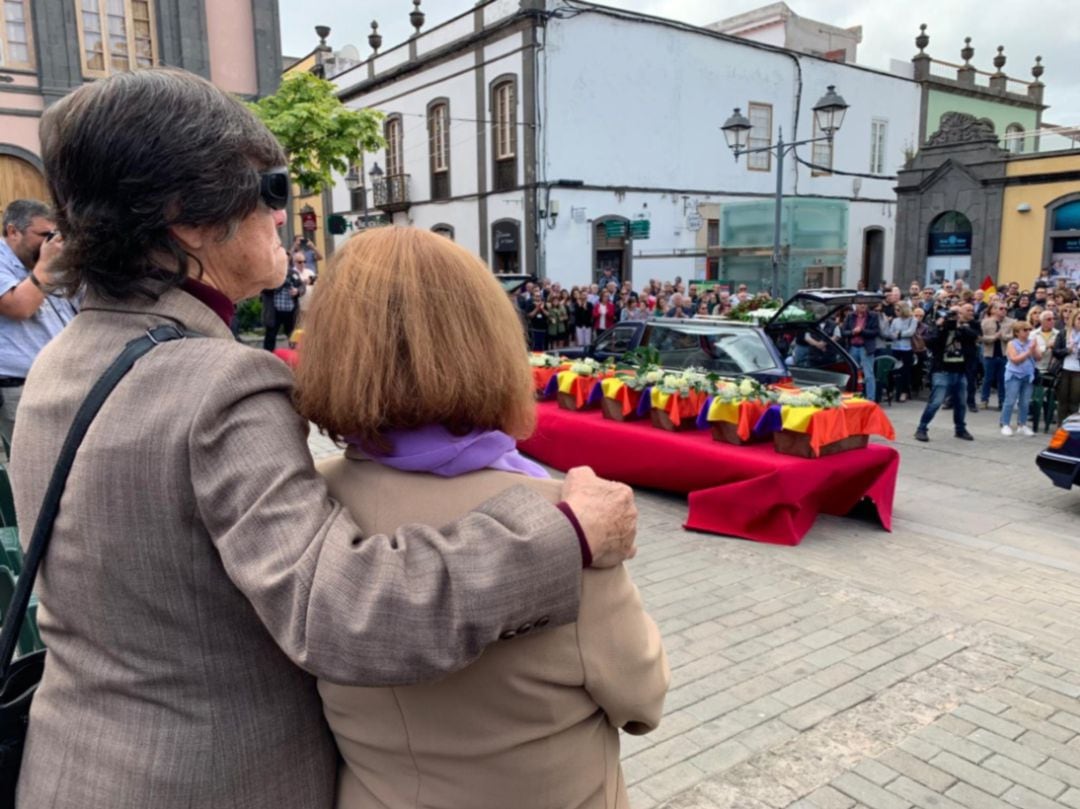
{"type": "Point", "coordinates": [1000, 358]}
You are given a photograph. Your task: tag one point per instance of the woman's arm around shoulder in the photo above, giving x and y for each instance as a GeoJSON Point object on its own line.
{"type": "Point", "coordinates": [626, 668]}
{"type": "Point", "coordinates": [362, 610]}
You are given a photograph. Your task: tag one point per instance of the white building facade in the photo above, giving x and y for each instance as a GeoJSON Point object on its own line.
{"type": "Point", "coordinates": [537, 135]}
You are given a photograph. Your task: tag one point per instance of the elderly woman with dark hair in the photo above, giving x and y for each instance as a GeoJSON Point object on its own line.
{"type": "Point", "coordinates": [199, 578]}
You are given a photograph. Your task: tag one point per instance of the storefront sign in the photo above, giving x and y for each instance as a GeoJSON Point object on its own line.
{"type": "Point", "coordinates": [309, 221]}
{"type": "Point", "coordinates": [504, 237]}
{"type": "Point", "coordinates": [950, 244]}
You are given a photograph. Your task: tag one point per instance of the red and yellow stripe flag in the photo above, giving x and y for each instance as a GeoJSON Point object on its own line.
{"type": "Point", "coordinates": [987, 286]}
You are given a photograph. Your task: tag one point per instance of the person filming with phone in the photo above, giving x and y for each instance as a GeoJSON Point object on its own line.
{"type": "Point", "coordinates": [30, 316]}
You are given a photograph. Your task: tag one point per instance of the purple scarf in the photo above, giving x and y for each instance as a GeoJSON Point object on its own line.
{"type": "Point", "coordinates": [436, 450]}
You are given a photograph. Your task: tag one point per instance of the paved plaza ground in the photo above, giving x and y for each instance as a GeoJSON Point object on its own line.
{"type": "Point", "coordinates": [936, 666]}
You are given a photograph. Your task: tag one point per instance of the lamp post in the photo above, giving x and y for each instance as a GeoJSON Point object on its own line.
{"type": "Point", "coordinates": [829, 115]}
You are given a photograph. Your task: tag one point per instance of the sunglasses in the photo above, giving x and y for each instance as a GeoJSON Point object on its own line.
{"type": "Point", "coordinates": [274, 187]}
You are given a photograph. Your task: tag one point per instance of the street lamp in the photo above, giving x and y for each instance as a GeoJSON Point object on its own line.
{"type": "Point", "coordinates": [828, 115]}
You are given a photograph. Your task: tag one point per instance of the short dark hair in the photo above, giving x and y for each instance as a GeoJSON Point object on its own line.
{"type": "Point", "coordinates": [131, 155]}
{"type": "Point", "coordinates": [20, 212]}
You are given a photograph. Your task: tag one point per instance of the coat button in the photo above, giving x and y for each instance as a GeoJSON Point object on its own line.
{"type": "Point", "coordinates": [508, 634]}
{"type": "Point", "coordinates": [525, 627]}
{"type": "Point", "coordinates": [542, 622]}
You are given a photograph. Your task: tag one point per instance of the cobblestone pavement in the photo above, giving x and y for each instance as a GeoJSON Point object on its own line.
{"type": "Point", "coordinates": [936, 666]}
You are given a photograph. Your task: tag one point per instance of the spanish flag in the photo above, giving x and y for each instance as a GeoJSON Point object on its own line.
{"type": "Point", "coordinates": [987, 286]}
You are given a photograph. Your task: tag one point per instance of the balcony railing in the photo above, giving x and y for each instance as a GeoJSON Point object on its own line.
{"type": "Point", "coordinates": [391, 193]}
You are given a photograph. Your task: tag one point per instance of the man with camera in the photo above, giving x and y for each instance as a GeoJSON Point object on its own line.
{"type": "Point", "coordinates": [312, 256]}
{"type": "Point", "coordinates": [951, 343]}
{"type": "Point", "coordinates": [29, 316]}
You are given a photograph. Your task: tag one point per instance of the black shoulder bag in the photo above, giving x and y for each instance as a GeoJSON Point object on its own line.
{"type": "Point", "coordinates": [19, 679]}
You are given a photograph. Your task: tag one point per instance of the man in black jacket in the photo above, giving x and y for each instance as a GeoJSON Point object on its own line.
{"type": "Point", "coordinates": [952, 343]}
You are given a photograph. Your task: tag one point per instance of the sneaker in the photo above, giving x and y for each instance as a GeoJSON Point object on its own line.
{"type": "Point", "coordinates": [985, 404]}
{"type": "Point", "coordinates": [971, 408]}
{"type": "Point", "coordinates": [1006, 429]}
{"type": "Point", "coordinates": [920, 435]}
{"type": "Point", "coordinates": [1025, 430]}
{"type": "Point", "coordinates": [966, 436]}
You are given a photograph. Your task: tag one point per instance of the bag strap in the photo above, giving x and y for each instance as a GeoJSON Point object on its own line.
{"type": "Point", "coordinates": [39, 541]}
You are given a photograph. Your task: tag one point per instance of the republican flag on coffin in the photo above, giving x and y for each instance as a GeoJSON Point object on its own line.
{"type": "Point", "coordinates": [987, 286]}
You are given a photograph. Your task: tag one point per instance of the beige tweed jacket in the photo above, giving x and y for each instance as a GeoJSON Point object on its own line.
{"type": "Point", "coordinates": [532, 724]}
{"type": "Point", "coordinates": [199, 578]}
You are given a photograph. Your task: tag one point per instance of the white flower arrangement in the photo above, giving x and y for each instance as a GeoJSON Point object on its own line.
{"type": "Point", "coordinates": [586, 367]}
{"type": "Point", "coordinates": [645, 377]}
{"type": "Point", "coordinates": [826, 397]}
{"type": "Point", "coordinates": [683, 383]}
{"type": "Point", "coordinates": [737, 390]}
{"type": "Point", "coordinates": [541, 360]}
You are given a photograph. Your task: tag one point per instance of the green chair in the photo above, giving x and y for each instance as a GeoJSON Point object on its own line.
{"type": "Point", "coordinates": [884, 368]}
{"type": "Point", "coordinates": [7, 500]}
{"type": "Point", "coordinates": [1043, 402]}
{"type": "Point", "coordinates": [12, 550]}
{"type": "Point", "coordinates": [29, 639]}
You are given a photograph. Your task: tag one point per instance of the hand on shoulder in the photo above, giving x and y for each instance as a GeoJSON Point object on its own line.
{"type": "Point", "coordinates": [606, 512]}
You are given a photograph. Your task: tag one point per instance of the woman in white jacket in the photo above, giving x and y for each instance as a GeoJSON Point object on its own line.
{"type": "Point", "coordinates": [901, 330]}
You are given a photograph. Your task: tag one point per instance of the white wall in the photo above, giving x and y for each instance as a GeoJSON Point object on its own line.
{"type": "Point", "coordinates": [862, 215]}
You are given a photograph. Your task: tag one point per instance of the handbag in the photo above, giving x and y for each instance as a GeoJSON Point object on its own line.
{"type": "Point", "coordinates": [19, 679]}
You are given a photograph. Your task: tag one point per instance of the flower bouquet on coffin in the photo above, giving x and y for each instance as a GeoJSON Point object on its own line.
{"type": "Point", "coordinates": [734, 409]}
{"type": "Point", "coordinates": [623, 392]}
{"type": "Point", "coordinates": [676, 401]}
{"type": "Point", "coordinates": [812, 422]}
{"type": "Point", "coordinates": [544, 368]}
{"type": "Point", "coordinates": [573, 387]}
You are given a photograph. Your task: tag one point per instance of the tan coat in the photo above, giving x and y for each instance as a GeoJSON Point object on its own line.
{"type": "Point", "coordinates": [530, 724]}
{"type": "Point", "coordinates": [991, 334]}
{"type": "Point", "coordinates": [199, 576]}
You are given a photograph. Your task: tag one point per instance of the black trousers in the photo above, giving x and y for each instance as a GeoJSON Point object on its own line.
{"type": "Point", "coordinates": [286, 320]}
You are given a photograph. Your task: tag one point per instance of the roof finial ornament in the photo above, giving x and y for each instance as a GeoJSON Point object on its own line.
{"type": "Point", "coordinates": [416, 17]}
{"type": "Point", "coordinates": [375, 38]}
{"type": "Point", "coordinates": [967, 52]}
{"type": "Point", "coordinates": [999, 60]}
{"type": "Point", "coordinates": [922, 40]}
{"type": "Point", "coordinates": [1038, 69]}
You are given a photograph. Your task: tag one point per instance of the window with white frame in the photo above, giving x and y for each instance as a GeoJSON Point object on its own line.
{"type": "Point", "coordinates": [439, 148]}
{"type": "Point", "coordinates": [505, 124]}
{"type": "Point", "coordinates": [16, 48]}
{"type": "Point", "coordinates": [879, 129]}
{"type": "Point", "coordinates": [760, 116]}
{"type": "Point", "coordinates": [394, 156]}
{"type": "Point", "coordinates": [1014, 138]}
{"type": "Point", "coordinates": [822, 153]}
{"type": "Point", "coordinates": [439, 129]}
{"type": "Point", "coordinates": [115, 35]}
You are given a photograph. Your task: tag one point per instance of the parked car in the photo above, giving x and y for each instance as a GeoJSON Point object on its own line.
{"type": "Point", "coordinates": [766, 352]}
{"type": "Point", "coordinates": [1060, 461]}
{"type": "Point", "coordinates": [811, 313]}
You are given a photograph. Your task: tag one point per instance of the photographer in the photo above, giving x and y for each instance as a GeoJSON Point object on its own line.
{"type": "Point", "coordinates": [312, 256]}
{"type": "Point", "coordinates": [952, 343]}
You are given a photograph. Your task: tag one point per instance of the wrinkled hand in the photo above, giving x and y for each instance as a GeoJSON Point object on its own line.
{"type": "Point", "coordinates": [607, 515]}
{"type": "Point", "coordinates": [49, 252]}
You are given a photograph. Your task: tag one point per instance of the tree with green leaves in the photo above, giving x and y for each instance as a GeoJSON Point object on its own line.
{"type": "Point", "coordinates": [319, 133]}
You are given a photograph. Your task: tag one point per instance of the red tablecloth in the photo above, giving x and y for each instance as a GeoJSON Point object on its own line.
{"type": "Point", "coordinates": [748, 491]}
